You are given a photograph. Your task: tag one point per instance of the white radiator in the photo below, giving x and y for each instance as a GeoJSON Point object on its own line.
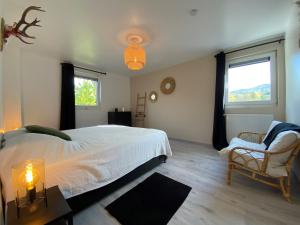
{"type": "Point", "coordinates": [236, 123]}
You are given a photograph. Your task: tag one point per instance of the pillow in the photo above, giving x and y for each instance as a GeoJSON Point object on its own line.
{"type": "Point", "coordinates": [273, 124]}
{"type": "Point", "coordinates": [49, 131]}
{"type": "Point", "coordinates": [10, 135]}
{"type": "Point", "coordinates": [14, 133]}
{"type": "Point", "coordinates": [283, 140]}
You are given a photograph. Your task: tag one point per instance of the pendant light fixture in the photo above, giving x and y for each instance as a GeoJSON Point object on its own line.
{"type": "Point", "coordinates": [134, 54]}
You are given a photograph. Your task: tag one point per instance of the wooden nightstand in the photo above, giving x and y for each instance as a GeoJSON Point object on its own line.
{"type": "Point", "coordinates": [57, 212]}
{"type": "Point", "coordinates": [120, 118]}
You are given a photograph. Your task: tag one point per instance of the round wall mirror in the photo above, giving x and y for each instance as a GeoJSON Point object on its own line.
{"type": "Point", "coordinates": [168, 85]}
{"type": "Point", "coordinates": [153, 96]}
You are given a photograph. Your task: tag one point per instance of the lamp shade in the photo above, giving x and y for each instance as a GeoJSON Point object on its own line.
{"type": "Point", "coordinates": [135, 57]}
{"type": "Point", "coordinates": [29, 182]}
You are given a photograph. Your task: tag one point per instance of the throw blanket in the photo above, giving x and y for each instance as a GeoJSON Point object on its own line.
{"type": "Point", "coordinates": [278, 129]}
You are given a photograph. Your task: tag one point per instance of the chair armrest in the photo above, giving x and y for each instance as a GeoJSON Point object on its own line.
{"type": "Point", "coordinates": [249, 152]}
{"type": "Point", "coordinates": [251, 137]}
{"type": "Point", "coordinates": [294, 149]}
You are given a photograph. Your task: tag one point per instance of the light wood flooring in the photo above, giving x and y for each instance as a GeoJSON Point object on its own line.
{"type": "Point", "coordinates": [211, 201]}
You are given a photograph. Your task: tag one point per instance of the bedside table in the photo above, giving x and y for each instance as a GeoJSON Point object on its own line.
{"type": "Point", "coordinates": [57, 212]}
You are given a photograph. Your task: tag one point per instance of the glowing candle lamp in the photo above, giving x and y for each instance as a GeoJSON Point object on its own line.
{"type": "Point", "coordinates": [29, 182]}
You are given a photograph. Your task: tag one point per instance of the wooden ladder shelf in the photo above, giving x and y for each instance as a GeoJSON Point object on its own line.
{"type": "Point", "coordinates": [140, 112]}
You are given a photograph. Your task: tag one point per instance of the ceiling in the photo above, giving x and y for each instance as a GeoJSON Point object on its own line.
{"type": "Point", "coordinates": [93, 32]}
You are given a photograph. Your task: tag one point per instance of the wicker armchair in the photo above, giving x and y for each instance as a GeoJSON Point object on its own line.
{"type": "Point", "coordinates": [256, 163]}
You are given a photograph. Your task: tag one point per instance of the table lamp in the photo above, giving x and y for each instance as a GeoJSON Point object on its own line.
{"type": "Point", "coordinates": [29, 183]}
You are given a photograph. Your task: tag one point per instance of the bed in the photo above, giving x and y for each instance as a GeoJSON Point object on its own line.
{"type": "Point", "coordinates": [97, 161]}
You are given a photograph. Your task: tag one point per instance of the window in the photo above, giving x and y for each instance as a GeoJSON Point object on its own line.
{"type": "Point", "coordinates": [251, 80]}
{"type": "Point", "coordinates": [87, 91]}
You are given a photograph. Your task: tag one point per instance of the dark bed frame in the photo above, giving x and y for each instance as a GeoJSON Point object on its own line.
{"type": "Point", "coordinates": [85, 200]}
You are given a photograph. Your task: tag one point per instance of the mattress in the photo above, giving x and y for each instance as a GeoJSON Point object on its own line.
{"type": "Point", "coordinates": [95, 157]}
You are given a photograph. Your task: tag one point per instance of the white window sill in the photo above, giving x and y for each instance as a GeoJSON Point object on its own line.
{"type": "Point", "coordinates": [250, 105]}
{"type": "Point", "coordinates": [87, 107]}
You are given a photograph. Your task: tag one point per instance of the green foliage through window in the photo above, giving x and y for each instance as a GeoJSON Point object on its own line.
{"type": "Point", "coordinates": [85, 92]}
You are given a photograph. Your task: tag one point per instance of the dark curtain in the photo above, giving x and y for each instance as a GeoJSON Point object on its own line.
{"type": "Point", "coordinates": [219, 129]}
{"type": "Point", "coordinates": [67, 114]}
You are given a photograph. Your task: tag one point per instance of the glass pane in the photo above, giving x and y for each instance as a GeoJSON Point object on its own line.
{"type": "Point", "coordinates": [250, 83]}
{"type": "Point", "coordinates": [85, 92]}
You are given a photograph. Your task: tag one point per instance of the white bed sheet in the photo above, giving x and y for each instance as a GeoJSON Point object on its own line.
{"type": "Point", "coordinates": [95, 157]}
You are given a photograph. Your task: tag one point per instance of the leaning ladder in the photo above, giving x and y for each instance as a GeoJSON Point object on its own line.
{"type": "Point", "coordinates": [140, 112]}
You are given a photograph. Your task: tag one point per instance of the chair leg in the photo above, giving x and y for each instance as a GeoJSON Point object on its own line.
{"type": "Point", "coordinates": [229, 174]}
{"type": "Point", "coordinates": [285, 188]}
{"type": "Point", "coordinates": [289, 185]}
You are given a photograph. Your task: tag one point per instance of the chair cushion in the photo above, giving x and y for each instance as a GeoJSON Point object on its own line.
{"type": "Point", "coordinates": [252, 160]}
{"type": "Point", "coordinates": [273, 124]}
{"type": "Point", "coordinates": [237, 142]}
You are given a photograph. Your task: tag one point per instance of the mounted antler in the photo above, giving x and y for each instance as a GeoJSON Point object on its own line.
{"type": "Point", "coordinates": [19, 32]}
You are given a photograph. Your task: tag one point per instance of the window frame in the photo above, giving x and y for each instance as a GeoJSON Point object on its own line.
{"type": "Point", "coordinates": [273, 63]}
{"type": "Point", "coordinates": [88, 76]}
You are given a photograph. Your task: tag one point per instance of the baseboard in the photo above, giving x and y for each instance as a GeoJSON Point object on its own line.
{"type": "Point", "coordinates": [191, 142]}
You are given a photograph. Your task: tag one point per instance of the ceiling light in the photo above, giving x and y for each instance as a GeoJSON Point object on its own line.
{"type": "Point", "coordinates": [134, 54]}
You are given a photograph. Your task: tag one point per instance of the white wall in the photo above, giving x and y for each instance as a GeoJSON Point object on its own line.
{"type": "Point", "coordinates": [40, 89]}
{"type": "Point", "coordinates": [188, 112]}
{"type": "Point", "coordinates": [293, 74]}
{"type": "Point", "coordinates": [1, 107]}
{"type": "Point", "coordinates": [293, 69]}
{"type": "Point", "coordinates": [115, 93]}
{"type": "Point", "coordinates": [36, 100]}
{"type": "Point", "coordinates": [12, 87]}
{"type": "Point", "coordinates": [1, 78]}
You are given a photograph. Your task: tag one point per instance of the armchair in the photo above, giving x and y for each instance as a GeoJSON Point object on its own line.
{"type": "Point", "coordinates": [247, 156]}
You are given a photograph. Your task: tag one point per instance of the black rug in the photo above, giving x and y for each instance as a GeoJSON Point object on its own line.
{"type": "Point", "coordinates": [152, 202]}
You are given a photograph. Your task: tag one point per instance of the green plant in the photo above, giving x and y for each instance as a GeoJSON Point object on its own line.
{"type": "Point", "coordinates": [85, 92]}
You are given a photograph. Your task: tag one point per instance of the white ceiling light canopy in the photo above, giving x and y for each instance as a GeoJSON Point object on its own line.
{"type": "Point", "coordinates": [135, 39]}
{"type": "Point", "coordinates": [141, 31]}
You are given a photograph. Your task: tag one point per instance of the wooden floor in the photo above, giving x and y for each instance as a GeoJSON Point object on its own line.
{"type": "Point", "coordinates": [211, 201]}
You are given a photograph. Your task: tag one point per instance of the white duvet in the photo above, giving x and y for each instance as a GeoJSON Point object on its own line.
{"type": "Point", "coordinates": [95, 157]}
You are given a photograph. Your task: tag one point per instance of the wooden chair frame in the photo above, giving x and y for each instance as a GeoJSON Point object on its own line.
{"type": "Point", "coordinates": [282, 183]}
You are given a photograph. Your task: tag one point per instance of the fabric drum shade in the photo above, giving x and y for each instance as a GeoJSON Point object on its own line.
{"type": "Point", "coordinates": [135, 57]}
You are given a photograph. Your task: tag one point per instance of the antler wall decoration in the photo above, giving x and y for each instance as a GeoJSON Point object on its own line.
{"type": "Point", "coordinates": [19, 29]}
